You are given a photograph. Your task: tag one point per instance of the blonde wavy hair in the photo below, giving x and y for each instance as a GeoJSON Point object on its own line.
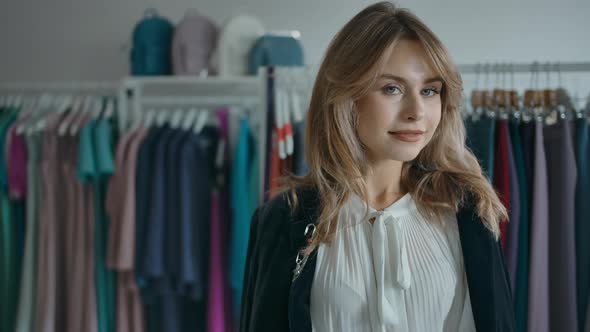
{"type": "Point", "coordinates": [444, 173]}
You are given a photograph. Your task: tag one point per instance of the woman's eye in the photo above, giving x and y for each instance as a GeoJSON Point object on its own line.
{"type": "Point", "coordinates": [430, 92]}
{"type": "Point", "coordinates": [392, 90]}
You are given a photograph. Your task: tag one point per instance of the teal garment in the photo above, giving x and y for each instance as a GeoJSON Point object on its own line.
{"type": "Point", "coordinates": [95, 166]}
{"type": "Point", "coordinates": [25, 320]}
{"type": "Point", "coordinates": [481, 140]}
{"type": "Point", "coordinates": [86, 161]}
{"type": "Point", "coordinates": [104, 156]}
{"type": "Point", "coordinates": [521, 292]}
{"type": "Point", "coordinates": [86, 174]}
{"type": "Point", "coordinates": [254, 186]}
{"type": "Point", "coordinates": [5, 241]}
{"type": "Point", "coordinates": [8, 294]}
{"type": "Point", "coordinates": [241, 206]}
{"type": "Point", "coordinates": [10, 260]}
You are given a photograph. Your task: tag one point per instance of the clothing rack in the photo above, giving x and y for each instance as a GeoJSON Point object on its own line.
{"type": "Point", "coordinates": [137, 94]}
{"type": "Point", "coordinates": [19, 90]}
{"type": "Point", "coordinates": [59, 87]}
{"type": "Point", "coordinates": [526, 68]}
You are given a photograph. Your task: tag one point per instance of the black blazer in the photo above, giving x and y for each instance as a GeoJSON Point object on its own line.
{"type": "Point", "coordinates": [272, 302]}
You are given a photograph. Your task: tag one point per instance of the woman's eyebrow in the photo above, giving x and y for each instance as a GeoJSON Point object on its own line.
{"type": "Point", "coordinates": [404, 81]}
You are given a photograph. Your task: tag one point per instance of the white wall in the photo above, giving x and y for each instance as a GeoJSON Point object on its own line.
{"type": "Point", "coordinates": [82, 39]}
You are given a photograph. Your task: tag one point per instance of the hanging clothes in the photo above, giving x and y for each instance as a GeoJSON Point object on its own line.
{"type": "Point", "coordinates": [561, 169]}
{"type": "Point", "coordinates": [501, 177]}
{"type": "Point", "coordinates": [80, 227]}
{"type": "Point", "coordinates": [582, 215]}
{"type": "Point", "coordinates": [144, 189]}
{"type": "Point", "coordinates": [538, 315]}
{"type": "Point", "coordinates": [25, 320]}
{"type": "Point", "coordinates": [481, 135]}
{"type": "Point", "coordinates": [270, 132]}
{"type": "Point", "coordinates": [522, 269]}
{"type": "Point", "coordinates": [152, 268]}
{"type": "Point", "coordinates": [51, 242]}
{"type": "Point", "coordinates": [102, 149]}
{"type": "Point", "coordinates": [243, 171]}
{"type": "Point", "coordinates": [10, 238]}
{"type": "Point", "coordinates": [300, 167]}
{"type": "Point", "coordinates": [513, 213]}
{"type": "Point", "coordinates": [120, 204]}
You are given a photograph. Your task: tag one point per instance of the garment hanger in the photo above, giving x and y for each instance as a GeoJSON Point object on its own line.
{"type": "Point", "coordinates": [554, 110]}
{"type": "Point", "coordinates": [33, 110]}
{"type": "Point", "coordinates": [162, 117]}
{"type": "Point", "coordinates": [476, 96]}
{"type": "Point", "coordinates": [97, 108]}
{"type": "Point", "coordinates": [149, 119]}
{"type": "Point", "coordinates": [109, 110]}
{"type": "Point", "coordinates": [506, 95]}
{"type": "Point", "coordinates": [201, 121]}
{"type": "Point", "coordinates": [70, 116]}
{"type": "Point", "coordinates": [60, 104]}
{"type": "Point", "coordinates": [487, 95]}
{"type": "Point", "coordinates": [531, 104]}
{"type": "Point", "coordinates": [89, 105]}
{"type": "Point", "coordinates": [176, 118]}
{"type": "Point", "coordinates": [18, 101]}
{"type": "Point", "coordinates": [45, 108]}
{"type": "Point", "coordinates": [189, 118]}
{"type": "Point", "coordinates": [513, 99]}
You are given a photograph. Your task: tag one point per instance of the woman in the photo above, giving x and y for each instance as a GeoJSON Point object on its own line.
{"type": "Point", "coordinates": [394, 228]}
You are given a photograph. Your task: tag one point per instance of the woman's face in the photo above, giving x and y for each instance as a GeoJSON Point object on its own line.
{"type": "Point", "coordinates": [399, 115]}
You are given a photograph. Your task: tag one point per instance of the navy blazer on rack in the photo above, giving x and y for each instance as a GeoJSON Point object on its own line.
{"type": "Point", "coordinates": [272, 302]}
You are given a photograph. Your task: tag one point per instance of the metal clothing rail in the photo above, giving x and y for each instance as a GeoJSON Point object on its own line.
{"type": "Point", "coordinates": [522, 68]}
{"type": "Point", "coordinates": [59, 86]}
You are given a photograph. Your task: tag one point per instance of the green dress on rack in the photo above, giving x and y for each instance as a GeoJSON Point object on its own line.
{"type": "Point", "coordinates": [10, 262]}
{"type": "Point", "coordinates": [96, 165]}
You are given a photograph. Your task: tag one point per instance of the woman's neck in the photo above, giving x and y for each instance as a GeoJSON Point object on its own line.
{"type": "Point", "coordinates": [384, 183]}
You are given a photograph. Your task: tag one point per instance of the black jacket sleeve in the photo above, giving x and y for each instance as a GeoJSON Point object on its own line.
{"type": "Point", "coordinates": [269, 265]}
{"type": "Point", "coordinates": [249, 275]}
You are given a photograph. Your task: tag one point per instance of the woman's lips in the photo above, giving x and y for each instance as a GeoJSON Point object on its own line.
{"type": "Point", "coordinates": [411, 136]}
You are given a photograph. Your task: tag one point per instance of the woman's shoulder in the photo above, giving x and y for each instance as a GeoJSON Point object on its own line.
{"type": "Point", "coordinates": [284, 214]}
{"type": "Point", "coordinates": [288, 205]}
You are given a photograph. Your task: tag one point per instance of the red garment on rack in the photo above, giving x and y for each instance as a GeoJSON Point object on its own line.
{"type": "Point", "coordinates": [275, 166]}
{"type": "Point", "coordinates": [502, 172]}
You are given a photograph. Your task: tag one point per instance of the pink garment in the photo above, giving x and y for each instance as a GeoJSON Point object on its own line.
{"type": "Point", "coordinates": [17, 166]}
{"type": "Point", "coordinates": [217, 272]}
{"type": "Point", "coordinates": [121, 209]}
{"type": "Point", "coordinates": [15, 154]}
{"type": "Point", "coordinates": [81, 311]}
{"type": "Point", "coordinates": [79, 296]}
{"type": "Point", "coordinates": [114, 200]}
{"type": "Point", "coordinates": [50, 241]}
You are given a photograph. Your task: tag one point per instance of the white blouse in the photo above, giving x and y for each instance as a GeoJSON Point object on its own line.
{"type": "Point", "coordinates": [399, 273]}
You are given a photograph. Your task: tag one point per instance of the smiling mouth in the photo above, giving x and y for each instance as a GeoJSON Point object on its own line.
{"type": "Point", "coordinates": [407, 136]}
